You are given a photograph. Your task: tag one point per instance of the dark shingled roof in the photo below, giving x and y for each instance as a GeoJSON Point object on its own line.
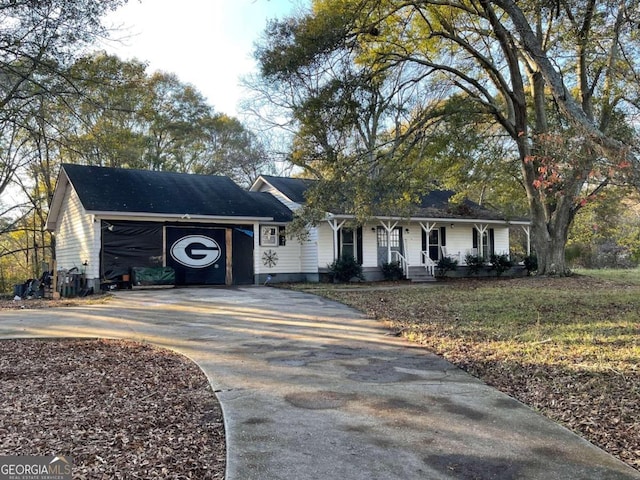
{"type": "Point", "coordinates": [434, 204]}
{"type": "Point", "coordinates": [293, 188]}
{"type": "Point", "coordinates": [143, 191]}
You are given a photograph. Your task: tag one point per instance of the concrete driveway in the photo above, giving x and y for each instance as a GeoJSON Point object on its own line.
{"type": "Point", "coordinates": [311, 389]}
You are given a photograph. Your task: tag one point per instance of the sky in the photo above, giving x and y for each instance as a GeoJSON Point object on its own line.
{"type": "Point", "coordinates": [206, 43]}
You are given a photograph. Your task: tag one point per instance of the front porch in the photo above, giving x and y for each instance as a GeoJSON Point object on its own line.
{"type": "Point", "coordinates": [417, 245]}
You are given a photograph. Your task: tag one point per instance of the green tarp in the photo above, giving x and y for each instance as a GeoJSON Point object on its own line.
{"type": "Point", "coordinates": [145, 276]}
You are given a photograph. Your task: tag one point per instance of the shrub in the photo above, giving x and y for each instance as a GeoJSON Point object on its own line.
{"type": "Point", "coordinates": [500, 263]}
{"type": "Point", "coordinates": [530, 264]}
{"type": "Point", "coordinates": [392, 271]}
{"type": "Point", "coordinates": [446, 264]}
{"type": "Point", "coordinates": [475, 263]}
{"type": "Point", "coordinates": [345, 268]}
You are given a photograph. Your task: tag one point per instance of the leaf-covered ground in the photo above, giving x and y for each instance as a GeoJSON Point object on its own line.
{"type": "Point", "coordinates": [569, 347]}
{"type": "Point", "coordinates": [121, 410]}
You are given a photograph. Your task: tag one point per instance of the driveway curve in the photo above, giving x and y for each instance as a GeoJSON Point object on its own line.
{"type": "Point", "coordinates": [311, 389]}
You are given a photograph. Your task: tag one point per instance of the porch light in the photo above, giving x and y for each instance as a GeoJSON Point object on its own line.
{"type": "Point", "coordinates": [452, 225]}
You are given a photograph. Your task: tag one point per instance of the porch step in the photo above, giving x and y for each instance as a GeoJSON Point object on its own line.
{"type": "Point", "coordinates": [419, 274]}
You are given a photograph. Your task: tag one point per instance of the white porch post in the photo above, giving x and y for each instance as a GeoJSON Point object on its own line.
{"type": "Point", "coordinates": [481, 231]}
{"type": "Point", "coordinates": [388, 228]}
{"type": "Point", "coordinates": [428, 227]}
{"type": "Point", "coordinates": [527, 231]}
{"type": "Point", "coordinates": [335, 226]}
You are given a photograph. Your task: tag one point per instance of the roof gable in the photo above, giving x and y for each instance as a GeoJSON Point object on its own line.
{"type": "Point", "coordinates": [292, 188]}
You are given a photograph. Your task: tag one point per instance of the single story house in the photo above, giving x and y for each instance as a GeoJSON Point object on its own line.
{"type": "Point", "coordinates": [108, 222]}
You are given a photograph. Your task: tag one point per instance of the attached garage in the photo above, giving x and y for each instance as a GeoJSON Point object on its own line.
{"type": "Point", "coordinates": [111, 224]}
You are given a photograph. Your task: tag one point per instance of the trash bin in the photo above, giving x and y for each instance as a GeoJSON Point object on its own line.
{"type": "Point", "coordinates": [18, 290]}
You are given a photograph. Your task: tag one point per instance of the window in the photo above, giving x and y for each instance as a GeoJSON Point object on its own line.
{"type": "Point", "coordinates": [273, 236]}
{"type": "Point", "coordinates": [394, 238]}
{"type": "Point", "coordinates": [488, 242]}
{"type": "Point", "coordinates": [268, 235]}
{"type": "Point", "coordinates": [347, 243]}
{"type": "Point", "coordinates": [382, 237]}
{"type": "Point", "coordinates": [282, 236]}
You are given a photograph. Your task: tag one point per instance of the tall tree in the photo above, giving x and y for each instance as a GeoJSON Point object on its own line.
{"type": "Point", "coordinates": [558, 80]}
{"type": "Point", "coordinates": [38, 40]}
{"type": "Point", "coordinates": [117, 115]}
{"type": "Point", "coordinates": [125, 117]}
{"type": "Point", "coordinates": [232, 149]}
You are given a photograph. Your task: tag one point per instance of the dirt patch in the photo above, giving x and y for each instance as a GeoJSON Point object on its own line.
{"type": "Point", "coordinates": [120, 409]}
{"type": "Point", "coordinates": [7, 303]}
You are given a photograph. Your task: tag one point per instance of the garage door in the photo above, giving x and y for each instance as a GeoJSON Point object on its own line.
{"type": "Point", "coordinates": [198, 255]}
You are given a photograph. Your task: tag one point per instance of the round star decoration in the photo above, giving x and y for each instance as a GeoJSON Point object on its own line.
{"type": "Point", "coordinates": [270, 258]}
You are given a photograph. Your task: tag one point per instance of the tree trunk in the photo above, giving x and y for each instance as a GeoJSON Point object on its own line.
{"type": "Point", "coordinates": [549, 237]}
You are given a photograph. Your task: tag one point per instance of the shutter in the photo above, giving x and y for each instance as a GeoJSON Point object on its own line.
{"type": "Point", "coordinates": [339, 243]}
{"type": "Point", "coordinates": [359, 244]}
{"type": "Point", "coordinates": [424, 239]}
{"type": "Point", "coordinates": [475, 237]}
{"type": "Point", "coordinates": [282, 236]}
{"type": "Point", "coordinates": [443, 236]}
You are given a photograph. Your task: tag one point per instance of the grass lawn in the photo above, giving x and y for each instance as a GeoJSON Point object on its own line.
{"type": "Point", "coordinates": [568, 347]}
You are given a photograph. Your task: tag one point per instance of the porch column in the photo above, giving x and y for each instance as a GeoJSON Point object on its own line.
{"type": "Point", "coordinates": [427, 227]}
{"type": "Point", "coordinates": [527, 231]}
{"type": "Point", "coordinates": [481, 231]}
{"type": "Point", "coordinates": [389, 228]}
{"type": "Point", "coordinates": [335, 226]}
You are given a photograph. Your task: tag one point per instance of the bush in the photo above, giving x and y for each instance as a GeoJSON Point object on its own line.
{"type": "Point", "coordinates": [345, 268]}
{"type": "Point", "coordinates": [446, 264]}
{"type": "Point", "coordinates": [530, 264]}
{"type": "Point", "coordinates": [500, 263]}
{"type": "Point", "coordinates": [392, 271]}
{"type": "Point", "coordinates": [475, 263]}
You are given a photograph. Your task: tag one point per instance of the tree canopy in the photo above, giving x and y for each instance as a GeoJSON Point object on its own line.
{"type": "Point", "coordinates": [61, 103]}
{"type": "Point", "coordinates": [38, 42]}
{"type": "Point", "coordinates": [541, 95]}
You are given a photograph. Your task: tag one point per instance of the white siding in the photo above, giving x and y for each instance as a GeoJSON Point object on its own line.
{"type": "Point", "coordinates": [459, 241]}
{"type": "Point", "coordinates": [369, 246]}
{"type": "Point", "coordinates": [293, 206]}
{"type": "Point", "coordinates": [325, 245]}
{"type": "Point", "coordinates": [288, 256]}
{"type": "Point", "coordinates": [501, 238]}
{"type": "Point", "coordinates": [77, 237]}
{"type": "Point", "coordinates": [412, 242]}
{"type": "Point", "coordinates": [309, 252]}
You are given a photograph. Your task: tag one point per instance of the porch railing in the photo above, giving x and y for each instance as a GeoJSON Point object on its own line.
{"type": "Point", "coordinates": [402, 261]}
{"type": "Point", "coordinates": [428, 263]}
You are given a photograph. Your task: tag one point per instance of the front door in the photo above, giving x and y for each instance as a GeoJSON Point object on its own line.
{"type": "Point", "coordinates": [436, 240]}
{"type": "Point", "coordinates": [392, 240]}
{"type": "Point", "coordinates": [434, 245]}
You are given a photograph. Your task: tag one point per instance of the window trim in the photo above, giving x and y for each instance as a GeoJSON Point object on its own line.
{"type": "Point", "coordinates": [353, 244]}
{"type": "Point", "coordinates": [270, 239]}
